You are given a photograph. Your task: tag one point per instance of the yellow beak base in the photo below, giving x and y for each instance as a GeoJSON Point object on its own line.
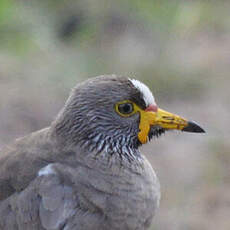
{"type": "Point", "coordinates": [166, 120]}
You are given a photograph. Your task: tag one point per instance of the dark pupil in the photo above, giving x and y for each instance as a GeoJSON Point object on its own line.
{"type": "Point", "coordinates": [125, 108]}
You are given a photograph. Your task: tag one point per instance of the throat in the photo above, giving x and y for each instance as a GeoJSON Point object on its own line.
{"type": "Point", "coordinates": [123, 147]}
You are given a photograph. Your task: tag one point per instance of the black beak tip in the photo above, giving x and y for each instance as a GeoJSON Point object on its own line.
{"type": "Point", "coordinates": [193, 128]}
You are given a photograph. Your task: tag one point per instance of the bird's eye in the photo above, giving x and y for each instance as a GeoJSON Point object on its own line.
{"type": "Point", "coordinates": [125, 108]}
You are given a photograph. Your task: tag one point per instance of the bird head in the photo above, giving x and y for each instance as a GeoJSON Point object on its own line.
{"type": "Point", "coordinates": [115, 114]}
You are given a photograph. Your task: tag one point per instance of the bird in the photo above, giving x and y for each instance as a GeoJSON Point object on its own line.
{"type": "Point", "coordinates": [85, 171]}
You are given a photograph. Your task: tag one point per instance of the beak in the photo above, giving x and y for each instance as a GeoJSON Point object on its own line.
{"type": "Point", "coordinates": [171, 121]}
{"type": "Point", "coordinates": [154, 116]}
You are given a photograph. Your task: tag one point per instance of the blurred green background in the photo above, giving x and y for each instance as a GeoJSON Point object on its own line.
{"type": "Point", "coordinates": [180, 49]}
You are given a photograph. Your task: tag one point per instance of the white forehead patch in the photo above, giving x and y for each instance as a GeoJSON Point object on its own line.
{"type": "Point", "coordinates": [145, 91]}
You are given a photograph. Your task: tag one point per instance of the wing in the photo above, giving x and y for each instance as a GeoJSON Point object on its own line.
{"type": "Point", "coordinates": [47, 203]}
{"type": "Point", "coordinates": [20, 162]}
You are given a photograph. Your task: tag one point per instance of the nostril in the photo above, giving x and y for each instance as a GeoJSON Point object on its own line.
{"type": "Point", "coordinates": [168, 118]}
{"type": "Point", "coordinates": [152, 108]}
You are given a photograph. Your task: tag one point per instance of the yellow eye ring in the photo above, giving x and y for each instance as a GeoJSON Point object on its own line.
{"type": "Point", "coordinates": [126, 108]}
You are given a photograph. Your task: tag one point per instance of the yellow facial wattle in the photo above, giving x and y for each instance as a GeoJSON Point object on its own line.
{"type": "Point", "coordinates": [146, 120]}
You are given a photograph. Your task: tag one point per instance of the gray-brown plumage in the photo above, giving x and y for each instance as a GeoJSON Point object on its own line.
{"type": "Point", "coordinates": [84, 171]}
